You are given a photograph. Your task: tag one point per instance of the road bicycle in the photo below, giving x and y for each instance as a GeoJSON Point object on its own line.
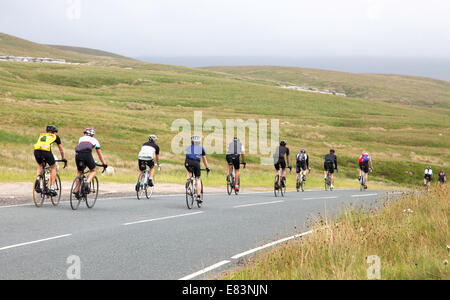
{"type": "Point", "coordinates": [144, 187]}
{"type": "Point", "coordinates": [44, 185]}
{"type": "Point", "coordinates": [191, 190]}
{"type": "Point", "coordinates": [86, 192]}
{"type": "Point", "coordinates": [231, 181]}
{"type": "Point", "coordinates": [428, 182]}
{"type": "Point", "coordinates": [301, 182]}
{"type": "Point", "coordinates": [362, 181]}
{"type": "Point", "coordinates": [280, 184]}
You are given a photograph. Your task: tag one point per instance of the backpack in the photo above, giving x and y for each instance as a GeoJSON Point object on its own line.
{"type": "Point", "coordinates": [366, 158]}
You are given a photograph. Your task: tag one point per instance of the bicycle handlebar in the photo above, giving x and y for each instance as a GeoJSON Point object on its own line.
{"type": "Point", "coordinates": [103, 166]}
{"type": "Point", "coordinates": [64, 161]}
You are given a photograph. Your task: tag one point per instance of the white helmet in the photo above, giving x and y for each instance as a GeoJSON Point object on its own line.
{"type": "Point", "coordinates": [152, 137]}
{"type": "Point", "coordinates": [196, 139]}
{"type": "Point", "coordinates": [89, 131]}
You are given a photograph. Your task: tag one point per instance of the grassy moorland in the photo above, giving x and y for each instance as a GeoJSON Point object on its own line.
{"type": "Point", "coordinates": [410, 236]}
{"type": "Point", "coordinates": [125, 100]}
{"type": "Point", "coordinates": [407, 90]}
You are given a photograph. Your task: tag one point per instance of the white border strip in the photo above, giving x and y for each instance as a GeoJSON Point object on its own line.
{"type": "Point", "coordinates": [364, 195]}
{"type": "Point", "coordinates": [256, 204]}
{"type": "Point", "coordinates": [318, 198]}
{"type": "Point", "coordinates": [163, 218]}
{"type": "Point", "coordinates": [35, 242]}
{"type": "Point", "coordinates": [205, 270]}
{"type": "Point", "coordinates": [270, 245]}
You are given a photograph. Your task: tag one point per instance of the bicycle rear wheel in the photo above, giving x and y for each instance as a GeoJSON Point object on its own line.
{"type": "Point", "coordinates": [91, 198]}
{"type": "Point", "coordinates": [142, 185]}
{"type": "Point", "coordinates": [275, 189]}
{"type": "Point", "coordinates": [199, 204]}
{"type": "Point", "coordinates": [302, 185]}
{"type": "Point", "coordinates": [283, 187]}
{"type": "Point", "coordinates": [38, 198]}
{"type": "Point", "coordinates": [189, 194]}
{"type": "Point", "coordinates": [55, 200]}
{"type": "Point", "coordinates": [74, 202]}
{"type": "Point", "coordinates": [229, 187]}
{"type": "Point", "coordinates": [149, 189]}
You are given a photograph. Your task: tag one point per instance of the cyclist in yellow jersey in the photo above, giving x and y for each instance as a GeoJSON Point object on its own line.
{"type": "Point", "coordinates": [43, 152]}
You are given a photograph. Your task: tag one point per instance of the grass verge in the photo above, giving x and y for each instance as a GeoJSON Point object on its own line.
{"type": "Point", "coordinates": [410, 236]}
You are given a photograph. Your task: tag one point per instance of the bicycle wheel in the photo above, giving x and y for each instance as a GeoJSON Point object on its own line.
{"type": "Point", "coordinates": [199, 204]}
{"type": "Point", "coordinates": [149, 189]}
{"type": "Point", "coordinates": [326, 183]}
{"type": "Point", "coordinates": [74, 202]}
{"type": "Point", "coordinates": [275, 189]}
{"type": "Point", "coordinates": [229, 187]}
{"type": "Point", "coordinates": [38, 198]}
{"type": "Point", "coordinates": [283, 187]}
{"type": "Point", "coordinates": [236, 192]}
{"type": "Point", "coordinates": [189, 194]}
{"type": "Point", "coordinates": [142, 184]}
{"type": "Point", "coordinates": [91, 198]}
{"type": "Point", "coordinates": [55, 200]}
{"type": "Point", "coordinates": [302, 185]}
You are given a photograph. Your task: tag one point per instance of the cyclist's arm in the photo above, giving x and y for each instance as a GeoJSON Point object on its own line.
{"type": "Point", "coordinates": [335, 163]}
{"type": "Point", "coordinates": [205, 161]}
{"type": "Point", "coordinates": [243, 157]}
{"type": "Point", "coordinates": [307, 162]}
{"type": "Point", "coordinates": [100, 156]}
{"type": "Point", "coordinates": [370, 163]}
{"type": "Point", "coordinates": [61, 150]}
{"type": "Point", "coordinates": [157, 159]}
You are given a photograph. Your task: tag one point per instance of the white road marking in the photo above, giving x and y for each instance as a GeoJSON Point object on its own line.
{"type": "Point", "coordinates": [35, 242]}
{"type": "Point", "coordinates": [163, 218]}
{"type": "Point", "coordinates": [270, 245]}
{"type": "Point", "coordinates": [318, 198]}
{"type": "Point", "coordinates": [364, 195]}
{"type": "Point", "coordinates": [205, 270]}
{"type": "Point", "coordinates": [256, 204]}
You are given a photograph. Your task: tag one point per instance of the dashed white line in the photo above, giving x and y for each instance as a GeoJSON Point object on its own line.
{"type": "Point", "coordinates": [270, 245]}
{"type": "Point", "coordinates": [318, 198]}
{"type": "Point", "coordinates": [256, 204]}
{"type": "Point", "coordinates": [205, 270]}
{"type": "Point", "coordinates": [364, 195]}
{"type": "Point", "coordinates": [35, 242]}
{"type": "Point", "coordinates": [162, 218]}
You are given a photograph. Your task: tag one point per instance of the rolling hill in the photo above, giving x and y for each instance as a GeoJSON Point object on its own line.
{"type": "Point", "coordinates": [126, 100]}
{"type": "Point", "coordinates": [401, 89]}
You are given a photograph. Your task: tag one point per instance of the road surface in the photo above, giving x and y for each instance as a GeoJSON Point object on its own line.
{"type": "Point", "coordinates": [123, 238]}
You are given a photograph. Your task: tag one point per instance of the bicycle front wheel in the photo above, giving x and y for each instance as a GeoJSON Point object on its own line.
{"type": "Point", "coordinates": [199, 204]}
{"type": "Point", "coordinates": [74, 202]}
{"type": "Point", "coordinates": [91, 198]}
{"type": "Point", "coordinates": [55, 200]}
{"type": "Point", "coordinates": [276, 187]}
{"type": "Point", "coordinates": [283, 188]}
{"type": "Point", "coordinates": [189, 194]}
{"type": "Point", "coordinates": [149, 189]}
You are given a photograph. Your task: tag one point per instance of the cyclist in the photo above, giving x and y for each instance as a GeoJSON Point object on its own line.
{"type": "Point", "coordinates": [194, 154]}
{"type": "Point", "coordinates": [280, 157]}
{"type": "Point", "coordinates": [149, 151]}
{"type": "Point", "coordinates": [330, 165]}
{"type": "Point", "coordinates": [302, 164]}
{"type": "Point", "coordinates": [43, 151]}
{"type": "Point", "coordinates": [428, 176]}
{"type": "Point", "coordinates": [442, 177]}
{"type": "Point", "coordinates": [84, 158]}
{"type": "Point", "coordinates": [365, 163]}
{"type": "Point", "coordinates": [234, 152]}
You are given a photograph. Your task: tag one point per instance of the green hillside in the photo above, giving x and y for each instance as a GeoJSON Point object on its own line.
{"type": "Point", "coordinates": [125, 105]}
{"type": "Point", "coordinates": [399, 89]}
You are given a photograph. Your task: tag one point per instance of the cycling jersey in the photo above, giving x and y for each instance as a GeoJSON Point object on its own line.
{"type": "Point", "coordinates": [86, 144]}
{"type": "Point", "coordinates": [364, 158]}
{"type": "Point", "coordinates": [235, 148]}
{"type": "Point", "coordinates": [148, 151]}
{"type": "Point", "coordinates": [428, 172]}
{"type": "Point", "coordinates": [46, 140]}
{"type": "Point", "coordinates": [195, 152]}
{"type": "Point", "coordinates": [303, 160]}
{"type": "Point", "coordinates": [330, 160]}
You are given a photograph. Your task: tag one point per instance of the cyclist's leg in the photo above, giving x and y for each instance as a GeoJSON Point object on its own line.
{"type": "Point", "coordinates": [77, 186]}
{"type": "Point", "coordinates": [237, 167]}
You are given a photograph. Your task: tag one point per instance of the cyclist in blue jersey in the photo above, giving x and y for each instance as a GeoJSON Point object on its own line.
{"type": "Point", "coordinates": [194, 154]}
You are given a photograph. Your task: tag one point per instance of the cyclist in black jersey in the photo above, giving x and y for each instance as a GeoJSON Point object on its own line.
{"type": "Point", "coordinates": [330, 165]}
{"type": "Point", "coordinates": [281, 156]}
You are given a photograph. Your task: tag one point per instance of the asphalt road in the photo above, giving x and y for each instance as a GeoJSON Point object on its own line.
{"type": "Point", "coordinates": [123, 238]}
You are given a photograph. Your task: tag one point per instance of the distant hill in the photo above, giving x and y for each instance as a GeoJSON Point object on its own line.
{"type": "Point", "coordinates": [400, 89]}
{"type": "Point", "coordinates": [88, 51]}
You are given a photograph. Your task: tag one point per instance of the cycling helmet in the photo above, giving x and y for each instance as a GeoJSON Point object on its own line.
{"type": "Point", "coordinates": [152, 138]}
{"type": "Point", "coordinates": [236, 139]}
{"type": "Point", "coordinates": [52, 129]}
{"type": "Point", "coordinates": [303, 150]}
{"type": "Point", "coordinates": [429, 167]}
{"type": "Point", "coordinates": [332, 151]}
{"type": "Point", "coordinates": [283, 143]}
{"type": "Point", "coordinates": [196, 139]}
{"type": "Point", "coordinates": [89, 131]}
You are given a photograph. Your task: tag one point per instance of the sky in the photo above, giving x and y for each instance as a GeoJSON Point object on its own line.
{"type": "Point", "coordinates": [289, 28]}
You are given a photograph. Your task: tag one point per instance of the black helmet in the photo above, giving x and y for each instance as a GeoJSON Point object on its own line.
{"type": "Point", "coordinates": [52, 129]}
{"type": "Point", "coordinates": [332, 151]}
{"type": "Point", "coordinates": [283, 143]}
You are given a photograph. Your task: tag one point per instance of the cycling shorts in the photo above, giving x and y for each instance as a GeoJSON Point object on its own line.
{"type": "Point", "coordinates": [144, 163]}
{"type": "Point", "coordinates": [194, 167]}
{"type": "Point", "coordinates": [280, 164]}
{"type": "Point", "coordinates": [364, 166]}
{"type": "Point", "coordinates": [301, 166]}
{"type": "Point", "coordinates": [83, 160]}
{"type": "Point", "coordinates": [42, 155]}
{"type": "Point", "coordinates": [234, 160]}
{"type": "Point", "coordinates": [329, 166]}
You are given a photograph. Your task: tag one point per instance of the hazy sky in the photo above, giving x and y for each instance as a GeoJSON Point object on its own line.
{"type": "Point", "coordinates": [411, 28]}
